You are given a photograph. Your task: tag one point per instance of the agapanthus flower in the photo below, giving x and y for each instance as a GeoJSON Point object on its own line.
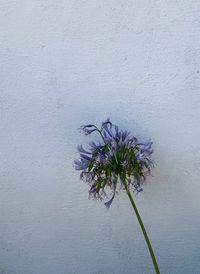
{"type": "Point", "coordinates": [116, 158]}
{"type": "Point", "coordinates": [87, 129]}
{"type": "Point", "coordinates": [118, 161]}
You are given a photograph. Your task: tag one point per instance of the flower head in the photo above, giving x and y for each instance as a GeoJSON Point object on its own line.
{"type": "Point", "coordinates": [87, 129]}
{"type": "Point", "coordinates": [116, 159]}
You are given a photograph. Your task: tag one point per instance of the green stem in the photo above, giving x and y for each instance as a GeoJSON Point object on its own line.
{"type": "Point", "coordinates": [100, 133]}
{"type": "Point", "coordinates": [143, 229]}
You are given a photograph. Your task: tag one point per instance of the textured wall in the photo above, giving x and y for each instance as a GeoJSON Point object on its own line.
{"type": "Point", "coordinates": [67, 62]}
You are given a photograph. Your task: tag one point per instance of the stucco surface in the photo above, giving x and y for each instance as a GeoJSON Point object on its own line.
{"type": "Point", "coordinates": [65, 63]}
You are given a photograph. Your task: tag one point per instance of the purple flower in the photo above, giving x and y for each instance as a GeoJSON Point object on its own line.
{"type": "Point", "coordinates": [124, 135]}
{"type": "Point", "coordinates": [145, 151]}
{"type": "Point", "coordinates": [94, 147]}
{"type": "Point", "coordinates": [106, 122]}
{"type": "Point", "coordinates": [117, 160]}
{"type": "Point", "coordinates": [116, 131]}
{"type": "Point", "coordinates": [88, 129]}
{"type": "Point", "coordinates": [82, 150]}
{"type": "Point", "coordinates": [79, 165]}
{"type": "Point", "coordinates": [85, 158]}
{"type": "Point", "coordinates": [138, 188]}
{"type": "Point", "coordinates": [93, 190]}
{"type": "Point", "coordinates": [108, 203]}
{"type": "Point", "coordinates": [107, 130]}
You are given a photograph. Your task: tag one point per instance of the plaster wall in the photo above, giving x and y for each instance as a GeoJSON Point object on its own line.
{"type": "Point", "coordinates": [65, 63]}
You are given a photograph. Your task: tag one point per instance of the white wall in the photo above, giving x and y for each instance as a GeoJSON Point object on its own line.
{"type": "Point", "coordinates": [65, 63]}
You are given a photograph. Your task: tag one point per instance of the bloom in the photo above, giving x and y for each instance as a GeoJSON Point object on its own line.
{"type": "Point", "coordinates": [117, 159]}
{"type": "Point", "coordinates": [87, 129]}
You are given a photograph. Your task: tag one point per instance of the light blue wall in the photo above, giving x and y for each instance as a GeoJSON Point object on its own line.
{"type": "Point", "coordinates": [65, 63]}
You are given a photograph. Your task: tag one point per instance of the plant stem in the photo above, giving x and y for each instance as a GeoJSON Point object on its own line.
{"type": "Point", "coordinates": [100, 133]}
{"type": "Point", "coordinates": [143, 229]}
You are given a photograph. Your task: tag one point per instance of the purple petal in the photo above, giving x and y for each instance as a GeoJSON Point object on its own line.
{"type": "Point", "coordinates": [93, 189]}
{"type": "Point", "coordinates": [80, 165]}
{"type": "Point", "coordinates": [82, 150]}
{"type": "Point", "coordinates": [138, 188]}
{"type": "Point", "coordinates": [95, 146]}
{"type": "Point", "coordinates": [108, 130]}
{"type": "Point", "coordinates": [107, 121]}
{"type": "Point", "coordinates": [89, 125]}
{"type": "Point", "coordinates": [85, 157]}
{"type": "Point", "coordinates": [108, 203]}
{"type": "Point", "coordinates": [88, 129]}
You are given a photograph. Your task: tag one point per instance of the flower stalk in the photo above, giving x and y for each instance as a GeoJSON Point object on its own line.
{"type": "Point", "coordinates": [143, 229]}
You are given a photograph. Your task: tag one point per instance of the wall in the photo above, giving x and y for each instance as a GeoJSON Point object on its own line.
{"type": "Point", "coordinates": [66, 63]}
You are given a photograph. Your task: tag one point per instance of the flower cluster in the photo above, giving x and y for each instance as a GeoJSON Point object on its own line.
{"type": "Point", "coordinates": [117, 159]}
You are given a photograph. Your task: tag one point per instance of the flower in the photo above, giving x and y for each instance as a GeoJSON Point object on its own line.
{"type": "Point", "coordinates": [108, 203]}
{"type": "Point", "coordinates": [116, 160]}
{"type": "Point", "coordinates": [87, 129]}
{"type": "Point", "coordinates": [82, 150]}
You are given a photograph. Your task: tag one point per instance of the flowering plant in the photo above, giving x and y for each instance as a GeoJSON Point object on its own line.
{"type": "Point", "coordinates": [118, 162]}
